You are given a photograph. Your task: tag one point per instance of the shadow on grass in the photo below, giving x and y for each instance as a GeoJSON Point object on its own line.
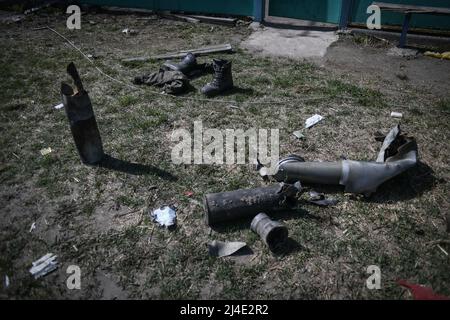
{"type": "Point", "coordinates": [408, 185]}
{"type": "Point", "coordinates": [115, 164]}
{"type": "Point", "coordinates": [241, 224]}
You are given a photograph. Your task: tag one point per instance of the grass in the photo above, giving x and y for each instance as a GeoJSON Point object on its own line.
{"type": "Point", "coordinates": [104, 212]}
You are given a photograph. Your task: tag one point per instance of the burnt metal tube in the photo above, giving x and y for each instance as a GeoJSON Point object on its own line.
{"type": "Point", "coordinates": [246, 203]}
{"type": "Point", "coordinates": [273, 233]}
{"type": "Point", "coordinates": [398, 154]}
{"type": "Point", "coordinates": [82, 119]}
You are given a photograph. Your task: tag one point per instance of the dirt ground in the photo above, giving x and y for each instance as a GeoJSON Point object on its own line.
{"type": "Point", "coordinates": [98, 218]}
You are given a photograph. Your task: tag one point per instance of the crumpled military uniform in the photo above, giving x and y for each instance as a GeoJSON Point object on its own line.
{"type": "Point", "coordinates": [172, 82]}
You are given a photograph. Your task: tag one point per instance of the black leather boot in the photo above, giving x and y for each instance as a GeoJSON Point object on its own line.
{"type": "Point", "coordinates": [223, 79]}
{"type": "Point", "coordinates": [186, 66]}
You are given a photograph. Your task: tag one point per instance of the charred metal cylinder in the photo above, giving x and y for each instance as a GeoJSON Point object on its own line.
{"type": "Point", "coordinates": [82, 119]}
{"type": "Point", "coordinates": [246, 203]}
{"type": "Point", "coordinates": [273, 233]}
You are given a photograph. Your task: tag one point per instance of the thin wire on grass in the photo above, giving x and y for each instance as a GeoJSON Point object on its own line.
{"type": "Point", "coordinates": [165, 95]}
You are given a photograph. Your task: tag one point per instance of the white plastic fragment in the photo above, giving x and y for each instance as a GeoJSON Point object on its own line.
{"type": "Point", "coordinates": [313, 120]}
{"type": "Point", "coordinates": [33, 226]}
{"type": "Point", "coordinates": [58, 106]}
{"type": "Point", "coordinates": [396, 114]}
{"type": "Point", "coordinates": [165, 216]}
{"type": "Point", "coordinates": [46, 151]}
{"type": "Point", "coordinates": [44, 265]}
{"type": "Point", "coordinates": [7, 281]}
{"type": "Point", "coordinates": [298, 134]}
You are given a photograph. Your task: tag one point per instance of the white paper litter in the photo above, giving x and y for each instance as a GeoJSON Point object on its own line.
{"type": "Point", "coordinates": [6, 281]}
{"type": "Point", "coordinates": [313, 120]}
{"type": "Point", "coordinates": [33, 226]}
{"type": "Point", "coordinates": [298, 134]}
{"type": "Point", "coordinates": [46, 151]}
{"type": "Point", "coordinates": [396, 114]}
{"type": "Point", "coordinates": [44, 265]}
{"type": "Point", "coordinates": [59, 106]}
{"type": "Point", "coordinates": [165, 216]}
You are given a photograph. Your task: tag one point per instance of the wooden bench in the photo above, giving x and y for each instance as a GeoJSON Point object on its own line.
{"type": "Point", "coordinates": [408, 10]}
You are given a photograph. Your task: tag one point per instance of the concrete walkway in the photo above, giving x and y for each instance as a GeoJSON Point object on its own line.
{"type": "Point", "coordinates": [289, 43]}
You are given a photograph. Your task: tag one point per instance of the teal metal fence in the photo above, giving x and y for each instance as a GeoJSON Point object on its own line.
{"type": "Point", "coordinates": [329, 11]}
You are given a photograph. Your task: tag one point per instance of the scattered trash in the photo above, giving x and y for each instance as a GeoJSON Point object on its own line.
{"type": "Point", "coordinates": [181, 54]}
{"type": "Point", "coordinates": [443, 55]}
{"type": "Point", "coordinates": [165, 216]}
{"type": "Point", "coordinates": [75, 248]}
{"type": "Point", "coordinates": [188, 193]}
{"type": "Point", "coordinates": [421, 292]}
{"type": "Point", "coordinates": [397, 154]}
{"type": "Point", "coordinates": [246, 203]}
{"type": "Point", "coordinates": [44, 265]}
{"type": "Point", "coordinates": [33, 226]}
{"type": "Point", "coordinates": [313, 120]}
{"type": "Point", "coordinates": [129, 32]}
{"type": "Point", "coordinates": [46, 151]}
{"type": "Point", "coordinates": [7, 283]}
{"type": "Point", "coordinates": [273, 233]}
{"type": "Point", "coordinates": [298, 134]}
{"type": "Point", "coordinates": [59, 106]}
{"type": "Point", "coordinates": [222, 249]}
{"type": "Point", "coordinates": [320, 199]}
{"type": "Point", "coordinates": [82, 119]}
{"type": "Point", "coordinates": [396, 114]}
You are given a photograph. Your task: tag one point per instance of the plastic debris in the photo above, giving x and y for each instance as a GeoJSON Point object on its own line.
{"type": "Point", "coordinates": [396, 114]}
{"type": "Point", "coordinates": [223, 249]}
{"type": "Point", "coordinates": [46, 151]}
{"type": "Point", "coordinates": [298, 134]}
{"type": "Point", "coordinates": [165, 216]}
{"type": "Point", "coordinates": [443, 55]}
{"type": "Point", "coordinates": [33, 226]}
{"type": "Point", "coordinates": [320, 199]}
{"type": "Point", "coordinates": [59, 106]}
{"type": "Point", "coordinates": [421, 292]}
{"type": "Point", "coordinates": [44, 265]}
{"type": "Point", "coordinates": [313, 120]}
{"type": "Point", "coordinates": [7, 283]}
{"type": "Point", "coordinates": [188, 193]}
{"type": "Point", "coordinates": [129, 31]}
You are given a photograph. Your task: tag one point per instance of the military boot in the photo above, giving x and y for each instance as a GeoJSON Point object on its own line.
{"type": "Point", "coordinates": [186, 66]}
{"type": "Point", "coordinates": [223, 79]}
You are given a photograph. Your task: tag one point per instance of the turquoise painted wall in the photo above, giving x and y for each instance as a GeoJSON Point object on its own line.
{"type": "Point", "coordinates": [391, 18]}
{"type": "Point", "coordinates": [235, 7]}
{"type": "Point", "coordinates": [317, 10]}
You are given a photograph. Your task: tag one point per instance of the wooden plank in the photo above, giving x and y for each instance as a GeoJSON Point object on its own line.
{"type": "Point", "coordinates": [215, 20]}
{"type": "Point", "coordinates": [180, 54]}
{"type": "Point", "coordinates": [178, 17]}
{"type": "Point", "coordinates": [404, 8]}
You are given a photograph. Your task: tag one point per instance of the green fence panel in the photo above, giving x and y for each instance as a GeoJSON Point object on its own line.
{"type": "Point", "coordinates": [234, 7]}
{"type": "Point", "coordinates": [318, 10]}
